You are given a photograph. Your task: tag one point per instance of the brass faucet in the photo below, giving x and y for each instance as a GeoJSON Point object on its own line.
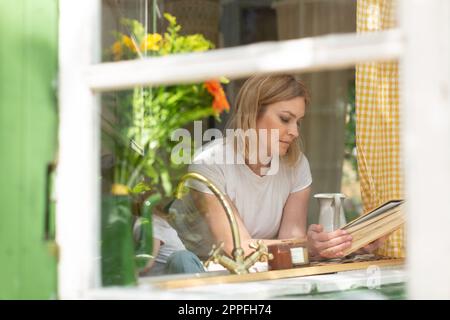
{"type": "Point", "coordinates": [239, 264]}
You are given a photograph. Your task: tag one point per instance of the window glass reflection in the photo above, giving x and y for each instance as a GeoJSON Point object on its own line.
{"type": "Point", "coordinates": [147, 133]}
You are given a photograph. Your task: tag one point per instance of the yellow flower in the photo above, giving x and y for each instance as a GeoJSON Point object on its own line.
{"type": "Point", "coordinates": [117, 50]}
{"type": "Point", "coordinates": [129, 43]}
{"type": "Point", "coordinates": [119, 189]}
{"type": "Point", "coordinates": [151, 42]}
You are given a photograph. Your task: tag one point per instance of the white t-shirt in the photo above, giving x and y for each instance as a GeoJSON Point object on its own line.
{"type": "Point", "coordinates": [170, 242]}
{"type": "Point", "coordinates": [259, 199]}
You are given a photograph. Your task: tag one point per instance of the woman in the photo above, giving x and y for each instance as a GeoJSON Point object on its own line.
{"type": "Point", "coordinates": [267, 185]}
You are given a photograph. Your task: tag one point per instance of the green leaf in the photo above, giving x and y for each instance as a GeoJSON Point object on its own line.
{"type": "Point", "coordinates": [140, 187]}
{"type": "Point", "coordinates": [151, 173]}
{"type": "Point", "coordinates": [224, 80]}
{"type": "Point", "coordinates": [172, 20]}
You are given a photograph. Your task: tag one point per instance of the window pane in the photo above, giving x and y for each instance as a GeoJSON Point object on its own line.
{"type": "Point", "coordinates": [149, 136]}
{"type": "Point", "coordinates": [134, 29]}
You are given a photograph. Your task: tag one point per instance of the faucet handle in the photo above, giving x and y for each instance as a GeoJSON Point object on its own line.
{"type": "Point", "coordinates": [253, 245]}
{"type": "Point", "coordinates": [214, 254]}
{"type": "Point", "coordinates": [261, 247]}
{"type": "Point", "coordinates": [258, 245]}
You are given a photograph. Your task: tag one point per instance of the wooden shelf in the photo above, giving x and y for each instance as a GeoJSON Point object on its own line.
{"type": "Point", "coordinates": [203, 278]}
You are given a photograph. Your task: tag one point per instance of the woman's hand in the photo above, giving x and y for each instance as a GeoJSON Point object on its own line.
{"type": "Point", "coordinates": [327, 245]}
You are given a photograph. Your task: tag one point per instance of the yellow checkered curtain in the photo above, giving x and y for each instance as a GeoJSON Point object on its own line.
{"type": "Point", "coordinates": [377, 122]}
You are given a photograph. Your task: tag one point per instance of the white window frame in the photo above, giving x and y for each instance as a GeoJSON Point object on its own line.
{"type": "Point", "coordinates": [425, 105]}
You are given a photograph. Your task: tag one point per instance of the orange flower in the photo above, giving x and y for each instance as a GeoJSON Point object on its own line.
{"type": "Point", "coordinates": [220, 102]}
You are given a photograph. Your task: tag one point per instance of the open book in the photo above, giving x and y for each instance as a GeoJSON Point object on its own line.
{"type": "Point", "coordinates": [375, 224]}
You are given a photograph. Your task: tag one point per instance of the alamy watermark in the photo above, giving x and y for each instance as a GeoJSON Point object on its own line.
{"type": "Point", "coordinates": [254, 145]}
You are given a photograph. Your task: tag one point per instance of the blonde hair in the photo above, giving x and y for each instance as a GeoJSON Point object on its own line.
{"type": "Point", "coordinates": [254, 97]}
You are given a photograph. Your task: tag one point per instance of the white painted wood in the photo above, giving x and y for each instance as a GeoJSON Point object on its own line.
{"type": "Point", "coordinates": [78, 164]}
{"type": "Point", "coordinates": [426, 145]}
{"type": "Point", "coordinates": [267, 289]}
{"type": "Point", "coordinates": [300, 55]}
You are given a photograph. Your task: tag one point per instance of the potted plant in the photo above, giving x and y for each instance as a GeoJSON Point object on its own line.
{"type": "Point", "coordinates": [144, 121]}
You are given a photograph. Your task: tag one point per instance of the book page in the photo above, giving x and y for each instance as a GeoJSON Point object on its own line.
{"type": "Point", "coordinates": [372, 214]}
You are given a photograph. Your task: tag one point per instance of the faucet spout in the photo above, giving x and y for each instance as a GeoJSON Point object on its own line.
{"type": "Point", "coordinates": [238, 252]}
{"type": "Point", "coordinates": [238, 264]}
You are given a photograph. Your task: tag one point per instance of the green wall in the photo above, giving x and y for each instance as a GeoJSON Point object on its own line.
{"type": "Point", "coordinates": [28, 139]}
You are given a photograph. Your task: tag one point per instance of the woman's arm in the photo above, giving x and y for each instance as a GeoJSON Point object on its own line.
{"type": "Point", "coordinates": [320, 243]}
{"type": "Point", "coordinates": [293, 226]}
{"type": "Point", "coordinates": [216, 218]}
{"type": "Point", "coordinates": [295, 212]}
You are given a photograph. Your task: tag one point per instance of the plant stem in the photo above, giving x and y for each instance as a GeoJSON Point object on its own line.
{"type": "Point", "coordinates": [135, 174]}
